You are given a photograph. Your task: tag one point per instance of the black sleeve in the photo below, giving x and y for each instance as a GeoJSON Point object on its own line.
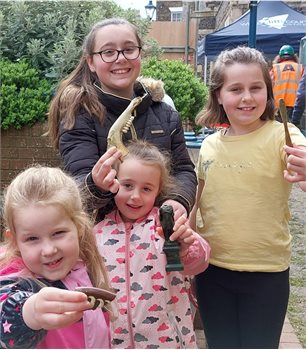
{"type": "Point", "coordinates": [79, 151]}
{"type": "Point", "coordinates": [14, 333]}
{"type": "Point", "coordinates": [183, 167]}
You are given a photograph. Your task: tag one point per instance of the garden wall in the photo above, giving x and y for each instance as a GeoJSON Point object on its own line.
{"type": "Point", "coordinates": [23, 148]}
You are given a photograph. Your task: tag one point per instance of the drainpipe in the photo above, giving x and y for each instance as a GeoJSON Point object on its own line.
{"type": "Point", "coordinates": [253, 23]}
{"type": "Point", "coordinates": [187, 34]}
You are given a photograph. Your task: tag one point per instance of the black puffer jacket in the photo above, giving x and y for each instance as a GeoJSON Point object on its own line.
{"type": "Point", "coordinates": [156, 122]}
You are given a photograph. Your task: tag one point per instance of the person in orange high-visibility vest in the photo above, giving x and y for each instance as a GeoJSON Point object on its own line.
{"type": "Point", "coordinates": [286, 73]}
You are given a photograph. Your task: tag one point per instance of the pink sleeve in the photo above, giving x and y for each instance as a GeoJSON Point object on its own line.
{"type": "Point", "coordinates": [196, 260]}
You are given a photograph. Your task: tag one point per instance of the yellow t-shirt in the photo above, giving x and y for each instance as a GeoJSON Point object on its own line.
{"type": "Point", "coordinates": [244, 204]}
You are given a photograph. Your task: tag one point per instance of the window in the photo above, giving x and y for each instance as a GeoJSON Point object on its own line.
{"type": "Point", "coordinates": [176, 14]}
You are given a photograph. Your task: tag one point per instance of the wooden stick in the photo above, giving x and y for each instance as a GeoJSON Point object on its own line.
{"type": "Point", "coordinates": [283, 113]}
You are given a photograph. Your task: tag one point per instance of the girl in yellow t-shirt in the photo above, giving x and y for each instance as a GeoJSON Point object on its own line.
{"type": "Point", "coordinates": [244, 181]}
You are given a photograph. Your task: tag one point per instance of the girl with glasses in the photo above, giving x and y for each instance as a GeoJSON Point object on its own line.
{"type": "Point", "coordinates": [91, 99]}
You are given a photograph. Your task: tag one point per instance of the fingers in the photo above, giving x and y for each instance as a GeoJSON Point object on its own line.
{"type": "Point", "coordinates": [103, 174]}
{"type": "Point", "coordinates": [159, 231]}
{"type": "Point", "coordinates": [55, 321]}
{"type": "Point", "coordinates": [296, 158]}
{"type": "Point", "coordinates": [56, 307]}
{"type": "Point", "coordinates": [298, 151]}
{"type": "Point", "coordinates": [293, 177]}
{"type": "Point", "coordinates": [296, 163]}
{"type": "Point", "coordinates": [59, 301]}
{"type": "Point", "coordinates": [296, 166]}
{"type": "Point", "coordinates": [182, 231]}
{"type": "Point", "coordinates": [182, 220]}
{"type": "Point", "coordinates": [178, 209]}
{"type": "Point", "coordinates": [52, 308]}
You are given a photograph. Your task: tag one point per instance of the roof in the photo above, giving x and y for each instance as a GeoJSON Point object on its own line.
{"type": "Point", "coordinates": [277, 24]}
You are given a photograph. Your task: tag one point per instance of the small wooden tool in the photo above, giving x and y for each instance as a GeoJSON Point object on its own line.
{"type": "Point", "coordinates": [283, 113]}
{"type": "Point", "coordinates": [98, 293]}
{"type": "Point", "coordinates": [97, 297]}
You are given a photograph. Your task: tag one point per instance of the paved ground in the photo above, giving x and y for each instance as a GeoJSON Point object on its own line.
{"type": "Point", "coordinates": [288, 339]}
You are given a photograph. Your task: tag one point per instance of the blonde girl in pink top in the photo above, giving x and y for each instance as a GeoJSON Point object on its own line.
{"type": "Point", "coordinates": [49, 250]}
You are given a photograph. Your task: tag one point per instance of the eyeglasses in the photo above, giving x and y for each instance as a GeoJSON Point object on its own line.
{"type": "Point", "coordinates": [111, 55]}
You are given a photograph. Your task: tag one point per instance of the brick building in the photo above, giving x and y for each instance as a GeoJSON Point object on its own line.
{"type": "Point", "coordinates": [180, 25]}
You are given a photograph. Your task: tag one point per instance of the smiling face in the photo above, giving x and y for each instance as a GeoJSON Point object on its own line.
{"type": "Point", "coordinates": [139, 187]}
{"type": "Point", "coordinates": [117, 77]}
{"type": "Point", "coordinates": [243, 96]}
{"type": "Point", "coordinates": [47, 240]}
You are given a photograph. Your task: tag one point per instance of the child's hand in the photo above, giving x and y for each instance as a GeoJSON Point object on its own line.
{"type": "Point", "coordinates": [178, 209]}
{"type": "Point", "coordinates": [183, 234]}
{"type": "Point", "coordinates": [296, 165]}
{"type": "Point", "coordinates": [103, 175]}
{"type": "Point", "coordinates": [53, 308]}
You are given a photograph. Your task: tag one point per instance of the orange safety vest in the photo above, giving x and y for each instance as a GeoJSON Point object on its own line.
{"type": "Point", "coordinates": [286, 77]}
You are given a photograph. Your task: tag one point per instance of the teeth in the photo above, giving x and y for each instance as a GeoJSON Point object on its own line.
{"type": "Point", "coordinates": [53, 262]}
{"type": "Point", "coordinates": [120, 71]}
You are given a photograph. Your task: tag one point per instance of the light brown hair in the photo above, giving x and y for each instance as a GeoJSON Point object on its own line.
{"type": "Point", "coordinates": [214, 113]}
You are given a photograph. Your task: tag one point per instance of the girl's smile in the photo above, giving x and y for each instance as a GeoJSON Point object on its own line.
{"type": "Point", "coordinates": [243, 97]}
{"type": "Point", "coordinates": [136, 196]}
{"type": "Point", "coordinates": [47, 240]}
{"type": "Point", "coordinates": [116, 77]}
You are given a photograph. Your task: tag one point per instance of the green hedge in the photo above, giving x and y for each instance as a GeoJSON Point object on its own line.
{"type": "Point", "coordinates": [25, 97]}
{"type": "Point", "coordinates": [187, 91]}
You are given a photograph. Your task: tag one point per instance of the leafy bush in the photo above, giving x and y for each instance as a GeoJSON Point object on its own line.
{"type": "Point", "coordinates": [49, 34]}
{"type": "Point", "coordinates": [24, 95]}
{"type": "Point", "coordinates": [187, 91]}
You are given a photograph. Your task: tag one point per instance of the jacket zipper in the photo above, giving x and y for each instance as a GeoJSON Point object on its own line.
{"type": "Point", "coordinates": [127, 279]}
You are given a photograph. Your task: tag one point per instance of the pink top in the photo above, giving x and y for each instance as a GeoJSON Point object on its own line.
{"type": "Point", "coordinates": [154, 305]}
{"type": "Point", "coordinates": [92, 332]}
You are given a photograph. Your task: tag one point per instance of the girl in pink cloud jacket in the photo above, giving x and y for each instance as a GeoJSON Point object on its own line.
{"type": "Point", "coordinates": [154, 305]}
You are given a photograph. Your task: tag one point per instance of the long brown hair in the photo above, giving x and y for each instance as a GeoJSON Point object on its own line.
{"type": "Point", "coordinates": [77, 92]}
{"type": "Point", "coordinates": [214, 113]}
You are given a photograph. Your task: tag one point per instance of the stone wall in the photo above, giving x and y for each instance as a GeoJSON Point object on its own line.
{"type": "Point", "coordinates": [23, 148]}
{"type": "Point", "coordinates": [162, 9]}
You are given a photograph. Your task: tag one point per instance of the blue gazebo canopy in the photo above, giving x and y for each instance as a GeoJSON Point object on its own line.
{"type": "Point", "coordinates": [277, 25]}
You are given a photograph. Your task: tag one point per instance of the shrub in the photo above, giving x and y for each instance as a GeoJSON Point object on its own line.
{"type": "Point", "coordinates": [24, 95]}
{"type": "Point", "coordinates": [49, 34]}
{"type": "Point", "coordinates": [187, 91]}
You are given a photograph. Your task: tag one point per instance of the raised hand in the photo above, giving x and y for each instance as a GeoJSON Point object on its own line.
{"type": "Point", "coordinates": [178, 209]}
{"type": "Point", "coordinates": [53, 308]}
{"type": "Point", "coordinates": [183, 234]}
{"type": "Point", "coordinates": [296, 165]}
{"type": "Point", "coordinates": [103, 174]}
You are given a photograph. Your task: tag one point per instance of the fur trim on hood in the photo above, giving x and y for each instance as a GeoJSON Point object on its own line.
{"type": "Point", "coordinates": [155, 88]}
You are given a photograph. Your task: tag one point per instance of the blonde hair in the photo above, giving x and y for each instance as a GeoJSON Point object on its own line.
{"type": "Point", "coordinates": [149, 154]}
{"type": "Point", "coordinates": [51, 186]}
{"type": "Point", "coordinates": [77, 91]}
{"type": "Point", "coordinates": [214, 113]}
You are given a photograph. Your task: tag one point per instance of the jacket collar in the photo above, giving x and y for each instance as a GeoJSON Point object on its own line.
{"type": "Point", "coordinates": [117, 104]}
